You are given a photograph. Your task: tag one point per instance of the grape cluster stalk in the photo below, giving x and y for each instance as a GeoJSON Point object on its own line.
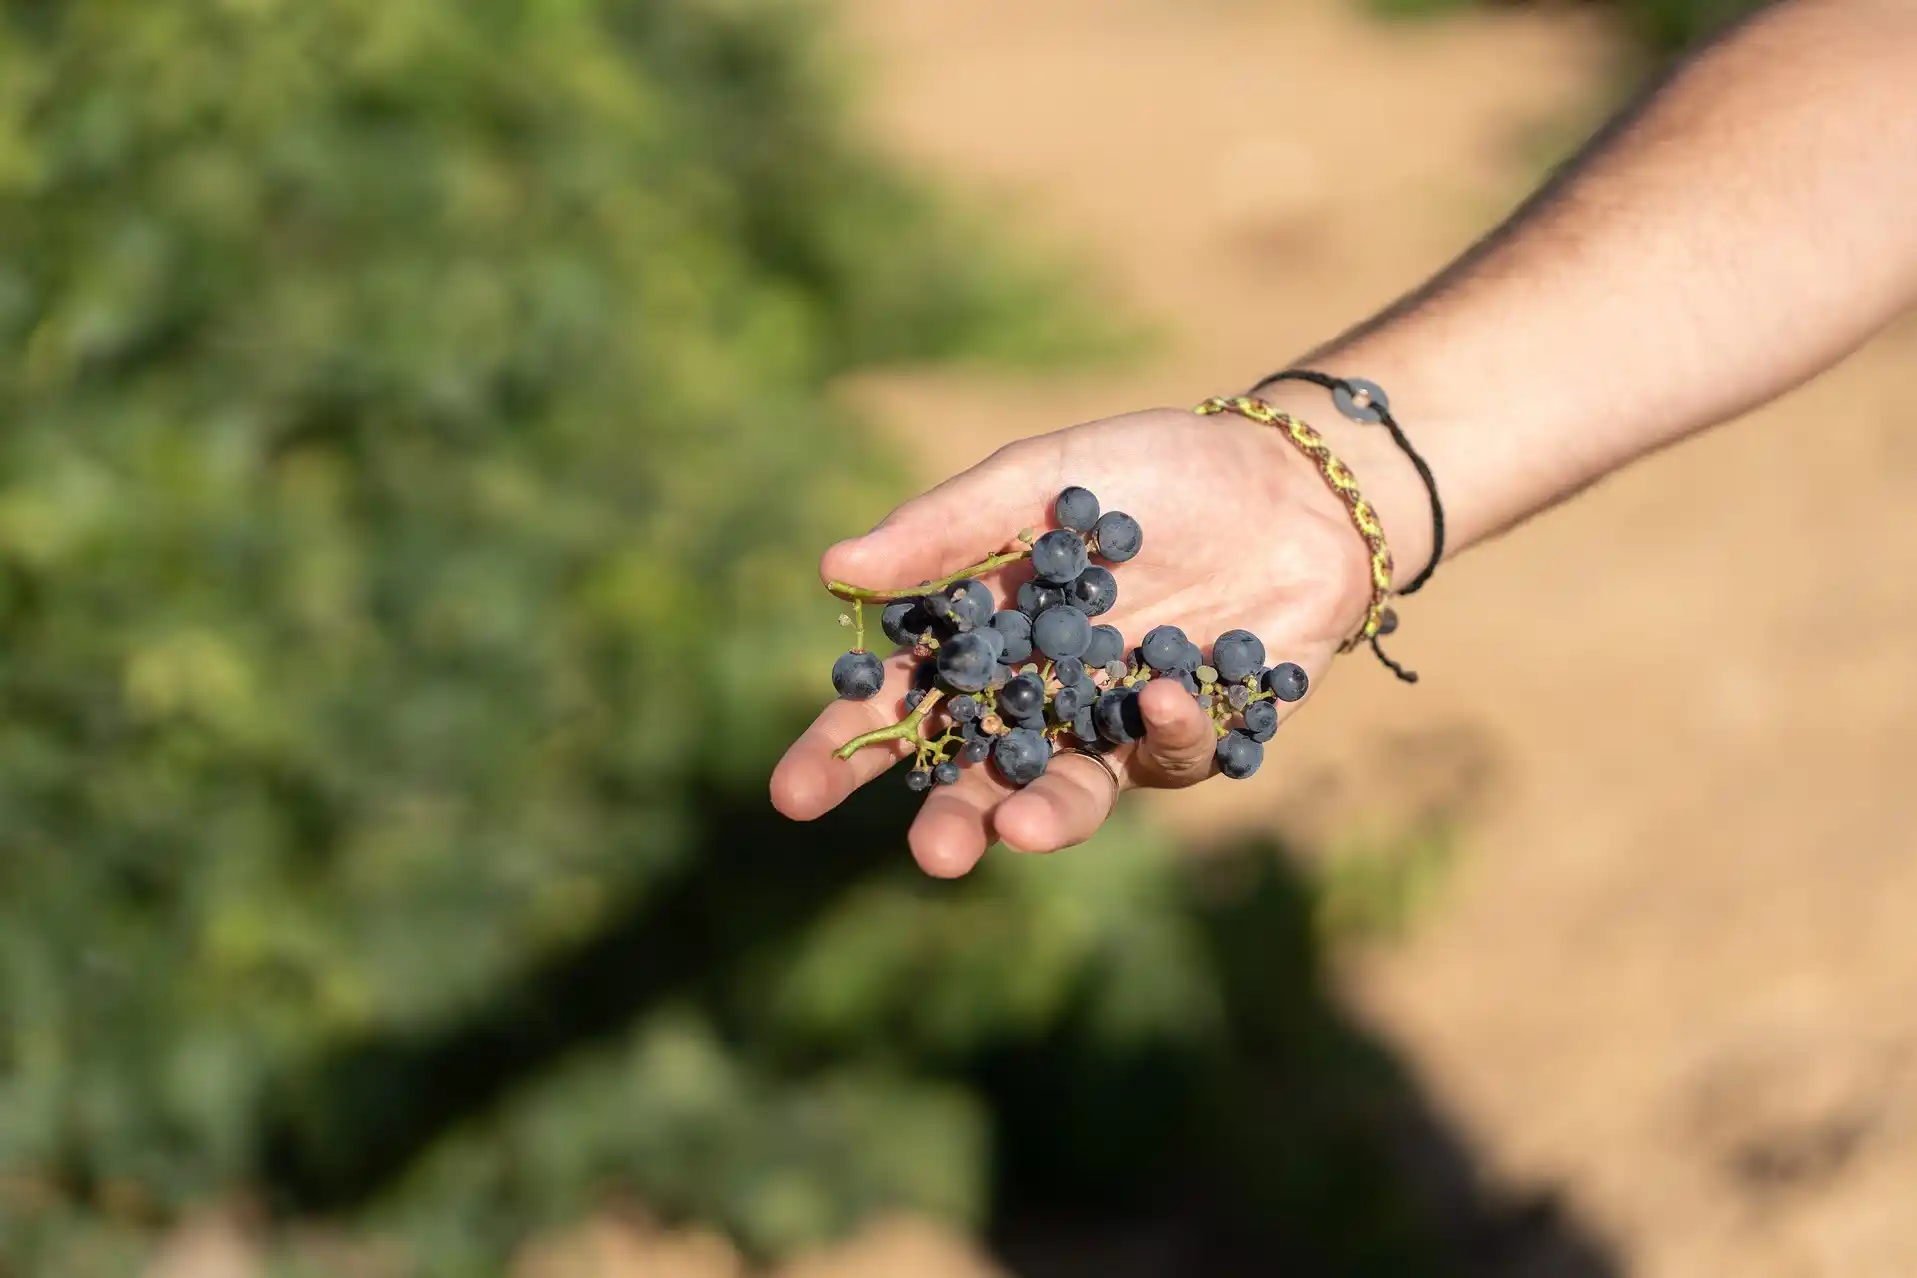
{"type": "Point", "coordinates": [1009, 685]}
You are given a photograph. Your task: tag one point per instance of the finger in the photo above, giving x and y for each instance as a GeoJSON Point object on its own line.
{"type": "Point", "coordinates": [958, 523]}
{"type": "Point", "coordinates": [1179, 738]}
{"type": "Point", "coordinates": [1064, 806]}
{"type": "Point", "coordinates": [955, 824]}
{"type": "Point", "coordinates": [1001, 583]}
{"type": "Point", "coordinates": [811, 780]}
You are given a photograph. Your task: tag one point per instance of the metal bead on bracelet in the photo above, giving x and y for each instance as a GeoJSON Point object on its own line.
{"type": "Point", "coordinates": [1366, 402]}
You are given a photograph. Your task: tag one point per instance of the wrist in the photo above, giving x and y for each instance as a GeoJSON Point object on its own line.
{"type": "Point", "coordinates": [1385, 475]}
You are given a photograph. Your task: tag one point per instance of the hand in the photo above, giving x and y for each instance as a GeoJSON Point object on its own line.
{"type": "Point", "coordinates": [1240, 531]}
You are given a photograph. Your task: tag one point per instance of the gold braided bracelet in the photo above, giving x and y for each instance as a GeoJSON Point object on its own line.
{"type": "Point", "coordinates": [1378, 618]}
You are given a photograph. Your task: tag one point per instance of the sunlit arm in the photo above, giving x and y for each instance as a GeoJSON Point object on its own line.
{"type": "Point", "coordinates": [1749, 222]}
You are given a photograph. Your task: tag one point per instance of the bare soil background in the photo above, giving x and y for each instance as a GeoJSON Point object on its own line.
{"type": "Point", "coordinates": [1672, 973]}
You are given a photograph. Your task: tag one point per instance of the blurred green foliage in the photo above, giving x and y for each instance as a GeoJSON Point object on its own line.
{"type": "Point", "coordinates": [416, 444]}
{"type": "Point", "coordinates": [1667, 27]}
{"type": "Point", "coordinates": [1663, 28]}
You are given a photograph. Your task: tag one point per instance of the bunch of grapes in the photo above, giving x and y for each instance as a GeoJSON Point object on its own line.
{"type": "Point", "coordinates": [1010, 684]}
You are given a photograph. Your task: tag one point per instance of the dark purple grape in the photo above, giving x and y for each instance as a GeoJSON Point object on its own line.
{"type": "Point", "coordinates": [1022, 697]}
{"type": "Point", "coordinates": [857, 676]}
{"type": "Point", "coordinates": [1069, 670]}
{"type": "Point", "coordinates": [1287, 681]}
{"type": "Point", "coordinates": [918, 780]}
{"type": "Point", "coordinates": [977, 750]}
{"type": "Point", "coordinates": [939, 608]}
{"type": "Point", "coordinates": [1189, 680]}
{"type": "Point", "coordinates": [904, 621]}
{"type": "Point", "coordinates": [1059, 556]}
{"type": "Point", "coordinates": [1095, 590]}
{"type": "Point", "coordinates": [1239, 755]}
{"type": "Point", "coordinates": [1107, 646]}
{"type": "Point", "coordinates": [962, 709]}
{"type": "Point", "coordinates": [1115, 670]}
{"type": "Point", "coordinates": [913, 698]}
{"type": "Point", "coordinates": [1002, 674]}
{"type": "Point", "coordinates": [972, 603]}
{"type": "Point", "coordinates": [1016, 628]}
{"type": "Point", "coordinates": [991, 636]}
{"type": "Point", "coordinates": [1063, 631]}
{"type": "Point", "coordinates": [1237, 654]}
{"type": "Point", "coordinates": [1076, 509]}
{"type": "Point", "coordinates": [1035, 597]}
{"type": "Point", "coordinates": [945, 773]}
{"type": "Point", "coordinates": [925, 675]}
{"type": "Point", "coordinates": [1084, 726]}
{"type": "Point", "coordinates": [1021, 755]}
{"type": "Point", "coordinates": [1066, 701]}
{"type": "Point", "coordinates": [1117, 716]}
{"type": "Point", "coordinates": [1164, 648]}
{"type": "Point", "coordinates": [1118, 536]}
{"type": "Point", "coordinates": [965, 661]}
{"type": "Point", "coordinates": [1261, 720]}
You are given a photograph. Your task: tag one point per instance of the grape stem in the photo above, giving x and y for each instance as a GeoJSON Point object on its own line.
{"type": "Point", "coordinates": [855, 594]}
{"type": "Point", "coordinates": [939, 750]}
{"type": "Point", "coordinates": [906, 728]}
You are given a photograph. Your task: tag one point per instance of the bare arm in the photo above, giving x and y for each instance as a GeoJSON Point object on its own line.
{"type": "Point", "coordinates": [1744, 227]}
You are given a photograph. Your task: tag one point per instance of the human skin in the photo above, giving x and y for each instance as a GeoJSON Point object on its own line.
{"type": "Point", "coordinates": [1747, 223]}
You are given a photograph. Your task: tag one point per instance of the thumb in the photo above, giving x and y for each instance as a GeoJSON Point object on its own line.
{"type": "Point", "coordinates": [960, 522]}
{"type": "Point", "coordinates": [1179, 738]}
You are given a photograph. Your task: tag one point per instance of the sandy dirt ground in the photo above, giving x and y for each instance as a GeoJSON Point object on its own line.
{"type": "Point", "coordinates": [1674, 973]}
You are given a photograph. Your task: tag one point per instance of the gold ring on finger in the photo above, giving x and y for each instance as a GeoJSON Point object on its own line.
{"type": "Point", "coordinates": [1104, 764]}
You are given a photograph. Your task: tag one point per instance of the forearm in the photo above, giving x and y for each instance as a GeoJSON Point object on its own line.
{"type": "Point", "coordinates": [1750, 225]}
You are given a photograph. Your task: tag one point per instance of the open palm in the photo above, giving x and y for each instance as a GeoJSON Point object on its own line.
{"type": "Point", "coordinates": [1239, 532]}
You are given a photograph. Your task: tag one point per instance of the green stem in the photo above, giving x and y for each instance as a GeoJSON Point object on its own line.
{"type": "Point", "coordinates": [908, 727]}
{"type": "Point", "coordinates": [855, 593]}
{"type": "Point", "coordinates": [941, 749]}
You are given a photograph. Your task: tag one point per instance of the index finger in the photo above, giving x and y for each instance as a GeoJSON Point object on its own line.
{"type": "Point", "coordinates": [960, 522]}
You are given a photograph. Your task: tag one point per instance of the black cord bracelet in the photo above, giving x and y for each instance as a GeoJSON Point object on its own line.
{"type": "Point", "coordinates": [1364, 402]}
